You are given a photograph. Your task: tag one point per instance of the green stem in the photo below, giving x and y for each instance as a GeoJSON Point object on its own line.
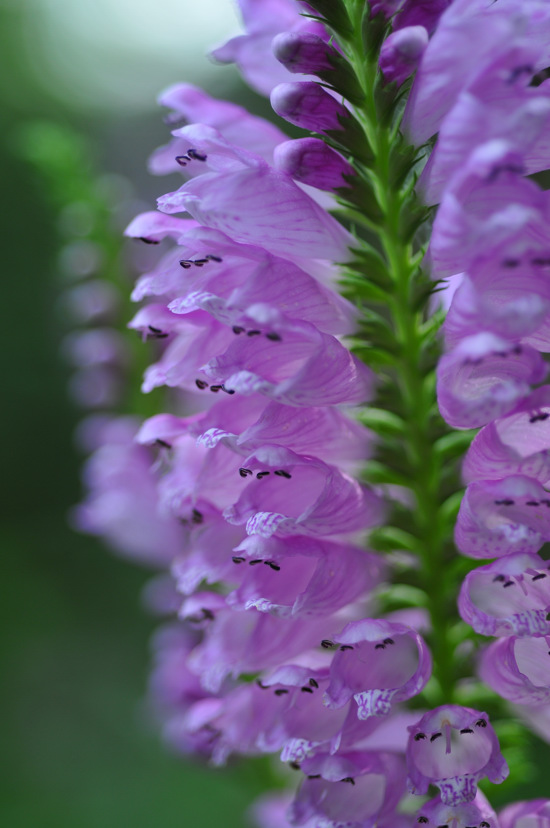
{"type": "Point", "coordinates": [415, 386]}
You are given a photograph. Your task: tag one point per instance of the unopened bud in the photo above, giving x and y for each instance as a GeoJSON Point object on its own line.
{"type": "Point", "coordinates": [309, 106]}
{"type": "Point", "coordinates": [401, 53]}
{"type": "Point", "coordinates": [311, 161]}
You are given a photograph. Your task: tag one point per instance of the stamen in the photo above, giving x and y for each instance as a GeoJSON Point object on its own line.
{"type": "Point", "coordinates": [253, 333]}
{"type": "Point", "coordinates": [281, 692]}
{"type": "Point", "coordinates": [313, 683]}
{"type": "Point", "coordinates": [197, 516]}
{"type": "Point", "coordinates": [163, 443]}
{"type": "Point", "coordinates": [201, 384]}
{"type": "Point", "coordinates": [255, 561]}
{"type": "Point", "coordinates": [196, 155]}
{"type": "Point", "coordinates": [466, 730]}
{"type": "Point", "coordinates": [182, 160]}
{"type": "Point", "coordinates": [345, 647]}
{"type": "Point", "coordinates": [419, 736]}
{"type": "Point", "coordinates": [379, 646]}
{"type": "Point", "coordinates": [238, 559]}
{"type": "Point", "coordinates": [505, 502]}
{"type": "Point", "coordinates": [435, 736]}
{"type": "Point", "coordinates": [281, 473]}
{"type": "Point", "coordinates": [294, 765]}
{"type": "Point", "coordinates": [245, 472]}
{"type": "Point", "coordinates": [327, 644]}
{"type": "Point", "coordinates": [237, 329]}
{"type": "Point", "coordinates": [213, 258]}
{"type": "Point", "coordinates": [261, 474]}
{"type": "Point", "coordinates": [145, 240]}
{"type": "Point", "coordinates": [349, 779]}
{"type": "Point", "coordinates": [539, 576]}
{"type": "Point", "coordinates": [306, 690]}
{"type": "Point", "coordinates": [274, 337]}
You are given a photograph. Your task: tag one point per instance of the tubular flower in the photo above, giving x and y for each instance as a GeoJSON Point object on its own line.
{"type": "Point", "coordinates": [298, 338]}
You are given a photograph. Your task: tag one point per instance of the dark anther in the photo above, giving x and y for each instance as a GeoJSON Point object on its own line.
{"type": "Point", "coordinates": [540, 77]}
{"type": "Point", "coordinates": [281, 692]}
{"type": "Point", "coordinates": [435, 736]}
{"type": "Point", "coordinates": [201, 384]}
{"type": "Point", "coordinates": [182, 160]}
{"type": "Point", "coordinates": [519, 71]}
{"type": "Point", "coordinates": [505, 502]}
{"type": "Point", "coordinates": [273, 565]}
{"type": "Point", "coordinates": [327, 644]}
{"type": "Point", "coordinates": [443, 826]}
{"type": "Point", "coordinates": [213, 258]}
{"type": "Point", "coordinates": [349, 779]}
{"type": "Point", "coordinates": [540, 261]}
{"type": "Point", "coordinates": [207, 614]}
{"type": "Point", "coordinates": [255, 561]}
{"type": "Point", "coordinates": [314, 776]}
{"type": "Point", "coordinates": [507, 584]}
{"type": "Point", "coordinates": [484, 824]}
{"type": "Point", "coordinates": [499, 578]}
{"type": "Point", "coordinates": [282, 473]}
{"type": "Point", "coordinates": [237, 559]}
{"type": "Point", "coordinates": [229, 391]}
{"type": "Point", "coordinates": [481, 723]}
{"type": "Point", "coordinates": [200, 262]}
{"type": "Point", "coordinates": [196, 155]}
{"type": "Point", "coordinates": [389, 641]}
{"type": "Point", "coordinates": [253, 333]}
{"type": "Point", "coordinates": [185, 263]}
{"type": "Point", "coordinates": [313, 683]}
{"type": "Point", "coordinates": [379, 646]}
{"type": "Point", "coordinates": [423, 820]}
{"type": "Point", "coordinates": [466, 730]}
{"type": "Point", "coordinates": [546, 502]}
{"type": "Point", "coordinates": [197, 516]}
{"type": "Point", "coordinates": [262, 686]}
{"type": "Point", "coordinates": [517, 349]}
{"type": "Point", "coordinates": [162, 443]}
{"type": "Point", "coordinates": [532, 503]}
{"type": "Point", "coordinates": [157, 333]}
{"type": "Point", "coordinates": [148, 241]}
{"type": "Point", "coordinates": [539, 577]}
{"type": "Point", "coordinates": [511, 262]}
{"type": "Point", "coordinates": [345, 647]}
{"type": "Point", "coordinates": [245, 472]}
{"type": "Point", "coordinates": [306, 690]}
{"type": "Point", "coordinates": [419, 736]}
{"type": "Point", "coordinates": [261, 474]}
{"type": "Point", "coordinates": [274, 337]}
{"type": "Point", "coordinates": [237, 329]}
{"type": "Point", "coordinates": [539, 417]}
{"type": "Point", "coordinates": [294, 765]}
{"type": "Point", "coordinates": [216, 388]}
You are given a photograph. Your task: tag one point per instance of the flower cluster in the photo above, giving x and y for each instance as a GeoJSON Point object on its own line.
{"type": "Point", "coordinates": [252, 492]}
{"type": "Point", "coordinates": [491, 230]}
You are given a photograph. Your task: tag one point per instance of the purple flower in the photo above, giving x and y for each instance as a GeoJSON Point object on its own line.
{"type": "Point", "coordinates": [252, 52]}
{"type": "Point", "coordinates": [484, 377]}
{"type": "Point", "coordinates": [353, 790]}
{"type": "Point", "coordinates": [453, 747]}
{"type": "Point", "coordinates": [535, 813]}
{"type": "Point", "coordinates": [500, 517]}
{"type": "Point", "coordinates": [301, 575]}
{"type": "Point", "coordinates": [189, 104]}
{"type": "Point", "coordinates": [122, 504]}
{"type": "Point", "coordinates": [510, 596]}
{"type": "Point", "coordinates": [477, 813]}
{"type": "Point", "coordinates": [378, 664]}
{"type": "Point", "coordinates": [518, 444]}
{"type": "Point", "coordinates": [245, 198]}
{"type": "Point", "coordinates": [518, 669]}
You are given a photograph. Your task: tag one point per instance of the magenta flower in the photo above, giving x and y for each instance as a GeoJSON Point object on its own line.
{"type": "Point", "coordinates": [510, 596]}
{"type": "Point", "coordinates": [478, 813]}
{"type": "Point", "coordinates": [354, 789]}
{"type": "Point", "coordinates": [378, 664]}
{"type": "Point", "coordinates": [536, 812]}
{"type": "Point", "coordinates": [518, 669]}
{"type": "Point", "coordinates": [453, 747]}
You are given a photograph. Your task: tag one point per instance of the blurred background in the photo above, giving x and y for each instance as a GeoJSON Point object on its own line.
{"type": "Point", "coordinates": [78, 120]}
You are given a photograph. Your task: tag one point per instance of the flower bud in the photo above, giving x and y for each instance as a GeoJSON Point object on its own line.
{"type": "Point", "coordinates": [309, 106]}
{"type": "Point", "coordinates": [302, 52]}
{"type": "Point", "coordinates": [401, 53]}
{"type": "Point", "coordinates": [312, 162]}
